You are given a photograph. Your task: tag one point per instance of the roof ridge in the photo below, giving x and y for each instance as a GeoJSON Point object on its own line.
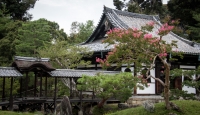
{"type": "Point", "coordinates": [30, 58]}
{"type": "Point", "coordinates": [106, 9]}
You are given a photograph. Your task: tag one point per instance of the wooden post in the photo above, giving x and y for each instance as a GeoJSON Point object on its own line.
{"type": "Point", "coordinates": [45, 94]}
{"type": "Point", "coordinates": [21, 80]}
{"type": "Point", "coordinates": [70, 83]}
{"type": "Point", "coordinates": [46, 86]}
{"type": "Point", "coordinates": [55, 93]}
{"type": "Point", "coordinates": [35, 87]}
{"type": "Point", "coordinates": [3, 93]}
{"type": "Point", "coordinates": [26, 84]}
{"type": "Point", "coordinates": [11, 96]}
{"type": "Point", "coordinates": [40, 85]}
{"type": "Point", "coordinates": [3, 88]}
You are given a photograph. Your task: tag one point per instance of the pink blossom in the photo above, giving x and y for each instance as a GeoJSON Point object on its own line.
{"type": "Point", "coordinates": [98, 59]}
{"type": "Point", "coordinates": [147, 36]}
{"type": "Point", "coordinates": [165, 54]}
{"type": "Point", "coordinates": [151, 23]}
{"type": "Point", "coordinates": [135, 29]}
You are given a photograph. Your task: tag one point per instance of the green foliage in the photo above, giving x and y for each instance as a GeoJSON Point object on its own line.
{"type": "Point", "coordinates": [185, 11]}
{"type": "Point", "coordinates": [176, 94]}
{"type": "Point", "coordinates": [105, 86]}
{"type": "Point", "coordinates": [188, 74]}
{"type": "Point", "coordinates": [34, 35]}
{"type": "Point", "coordinates": [194, 30]}
{"type": "Point", "coordinates": [17, 9]}
{"type": "Point", "coordinates": [81, 31]}
{"type": "Point", "coordinates": [141, 6]}
{"type": "Point", "coordinates": [16, 86]}
{"type": "Point", "coordinates": [63, 55]}
{"type": "Point", "coordinates": [8, 35]}
{"type": "Point", "coordinates": [19, 113]}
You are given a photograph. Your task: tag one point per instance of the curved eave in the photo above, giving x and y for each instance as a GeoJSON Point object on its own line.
{"type": "Point", "coordinates": [95, 32]}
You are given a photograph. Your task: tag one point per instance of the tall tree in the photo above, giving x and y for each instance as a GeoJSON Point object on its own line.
{"type": "Point", "coordinates": [194, 30]}
{"type": "Point", "coordinates": [34, 34]}
{"type": "Point", "coordinates": [185, 10]}
{"type": "Point", "coordinates": [8, 34]}
{"type": "Point", "coordinates": [141, 48]}
{"type": "Point", "coordinates": [18, 9]}
{"type": "Point", "coordinates": [81, 31]}
{"type": "Point", "coordinates": [141, 6]}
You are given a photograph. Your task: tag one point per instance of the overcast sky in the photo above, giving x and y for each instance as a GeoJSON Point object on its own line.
{"type": "Point", "coordinates": [64, 12]}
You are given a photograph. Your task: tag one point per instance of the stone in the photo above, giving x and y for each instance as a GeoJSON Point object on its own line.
{"type": "Point", "coordinates": [149, 106]}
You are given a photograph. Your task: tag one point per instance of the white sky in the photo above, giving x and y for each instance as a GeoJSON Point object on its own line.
{"type": "Point", "coordinates": [64, 12]}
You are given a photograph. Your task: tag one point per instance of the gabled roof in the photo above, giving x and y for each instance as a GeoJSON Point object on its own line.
{"type": "Point", "coordinates": [125, 20]}
{"type": "Point", "coordinates": [77, 73]}
{"type": "Point", "coordinates": [9, 72]}
{"type": "Point", "coordinates": [29, 63]}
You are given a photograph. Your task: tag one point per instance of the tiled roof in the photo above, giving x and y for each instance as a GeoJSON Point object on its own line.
{"type": "Point", "coordinates": [125, 20]}
{"type": "Point", "coordinates": [77, 73]}
{"type": "Point", "coordinates": [9, 72]}
{"type": "Point", "coordinates": [26, 63]}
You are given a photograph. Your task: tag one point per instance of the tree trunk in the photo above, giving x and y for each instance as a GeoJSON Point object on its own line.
{"type": "Point", "coordinates": [101, 103]}
{"type": "Point", "coordinates": [166, 87]}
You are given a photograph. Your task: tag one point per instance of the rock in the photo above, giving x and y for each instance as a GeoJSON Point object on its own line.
{"type": "Point", "coordinates": [149, 106]}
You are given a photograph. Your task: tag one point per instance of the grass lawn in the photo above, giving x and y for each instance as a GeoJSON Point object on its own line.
{"type": "Point", "coordinates": [188, 107]}
{"type": "Point", "coordinates": [18, 113]}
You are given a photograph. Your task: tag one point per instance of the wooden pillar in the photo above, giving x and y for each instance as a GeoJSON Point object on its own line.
{"type": "Point", "coordinates": [46, 86]}
{"type": "Point", "coordinates": [70, 86]}
{"type": "Point", "coordinates": [11, 96]}
{"type": "Point", "coordinates": [81, 99]}
{"type": "Point", "coordinates": [26, 84]}
{"type": "Point", "coordinates": [40, 85]}
{"type": "Point", "coordinates": [45, 105]}
{"type": "Point", "coordinates": [3, 89]}
{"type": "Point", "coordinates": [21, 80]}
{"type": "Point", "coordinates": [3, 93]}
{"type": "Point", "coordinates": [55, 93]}
{"type": "Point", "coordinates": [35, 84]}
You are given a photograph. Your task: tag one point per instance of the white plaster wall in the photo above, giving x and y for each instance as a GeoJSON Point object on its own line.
{"type": "Point", "coordinates": [147, 90]}
{"type": "Point", "coordinates": [187, 88]}
{"type": "Point", "coordinates": [152, 72]}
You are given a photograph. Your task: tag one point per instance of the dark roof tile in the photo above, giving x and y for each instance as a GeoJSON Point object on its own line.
{"type": "Point", "coordinates": [77, 73]}
{"type": "Point", "coordinates": [9, 72]}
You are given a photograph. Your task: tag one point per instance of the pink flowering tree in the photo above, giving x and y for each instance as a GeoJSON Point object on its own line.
{"type": "Point", "coordinates": [140, 47]}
